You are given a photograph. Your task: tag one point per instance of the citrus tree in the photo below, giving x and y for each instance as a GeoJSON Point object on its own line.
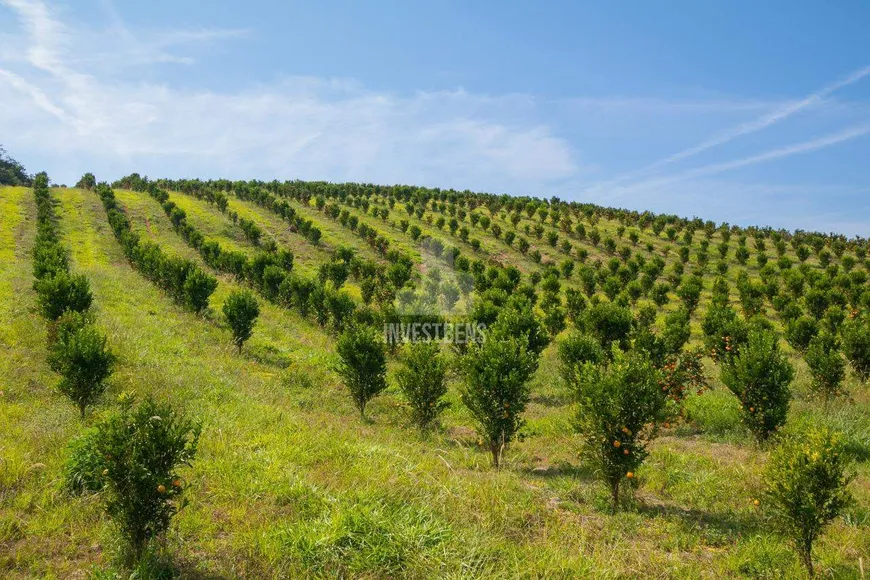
{"type": "Point", "coordinates": [619, 407]}
{"type": "Point", "coordinates": [806, 487]}
{"type": "Point", "coordinates": [138, 451]}
{"type": "Point", "coordinates": [362, 364]}
{"type": "Point", "coordinates": [760, 376]}
{"type": "Point", "coordinates": [422, 381]}
{"type": "Point", "coordinates": [241, 311]}
{"type": "Point", "coordinates": [496, 391]}
{"type": "Point", "coordinates": [80, 356]}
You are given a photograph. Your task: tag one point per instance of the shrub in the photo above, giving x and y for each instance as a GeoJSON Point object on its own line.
{"type": "Point", "coordinates": [760, 375]}
{"type": "Point", "coordinates": [751, 297]}
{"type": "Point", "coordinates": [683, 372]}
{"type": "Point", "coordinates": [87, 181]}
{"type": "Point", "coordinates": [363, 364]}
{"type": "Point", "coordinates": [807, 488]}
{"type": "Point", "coordinates": [826, 365]}
{"type": "Point", "coordinates": [139, 450]}
{"type": "Point", "coordinates": [49, 259]}
{"type": "Point", "coordinates": [554, 318]}
{"type": "Point", "coordinates": [659, 294]}
{"type": "Point", "coordinates": [496, 389]}
{"type": "Point", "coordinates": [677, 331]}
{"type": "Point", "coordinates": [575, 351]}
{"type": "Point", "coordinates": [79, 355]}
{"type": "Point", "coordinates": [817, 302]}
{"type": "Point", "coordinates": [61, 292]}
{"type": "Point", "coordinates": [609, 323]}
{"type": "Point", "coordinates": [83, 469]}
{"type": "Point", "coordinates": [619, 407]}
{"type": "Point", "coordinates": [198, 287]}
{"type": "Point", "coordinates": [519, 320]}
{"type": "Point", "coordinates": [724, 331]}
{"type": "Point", "coordinates": [856, 346]}
{"type": "Point", "coordinates": [422, 380]}
{"type": "Point", "coordinates": [241, 311]}
{"type": "Point", "coordinates": [800, 331]}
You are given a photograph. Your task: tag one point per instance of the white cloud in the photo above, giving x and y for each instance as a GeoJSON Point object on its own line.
{"type": "Point", "coordinates": [69, 106]}
{"type": "Point", "coordinates": [299, 127]}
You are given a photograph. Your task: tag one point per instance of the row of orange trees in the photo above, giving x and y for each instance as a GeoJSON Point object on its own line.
{"type": "Point", "coordinates": [130, 455]}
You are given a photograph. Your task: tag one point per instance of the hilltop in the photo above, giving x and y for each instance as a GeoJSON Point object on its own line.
{"type": "Point", "coordinates": [289, 479]}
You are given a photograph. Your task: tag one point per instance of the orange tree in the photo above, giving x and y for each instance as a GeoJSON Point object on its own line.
{"type": "Point", "coordinates": [806, 487]}
{"type": "Point", "coordinates": [760, 376]}
{"type": "Point", "coordinates": [619, 407]}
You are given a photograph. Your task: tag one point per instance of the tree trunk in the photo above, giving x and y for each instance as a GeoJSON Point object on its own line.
{"type": "Point", "coordinates": [614, 494]}
{"type": "Point", "coordinates": [807, 559]}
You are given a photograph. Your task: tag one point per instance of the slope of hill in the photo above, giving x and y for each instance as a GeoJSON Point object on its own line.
{"type": "Point", "coordinates": [290, 481]}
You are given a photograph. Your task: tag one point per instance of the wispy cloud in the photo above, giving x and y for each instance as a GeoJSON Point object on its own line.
{"type": "Point", "coordinates": [779, 153]}
{"type": "Point", "coordinates": [763, 122]}
{"type": "Point", "coordinates": [299, 127]}
{"type": "Point", "coordinates": [71, 105]}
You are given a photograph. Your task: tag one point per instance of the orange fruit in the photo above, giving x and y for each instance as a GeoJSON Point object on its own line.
{"type": "Point", "coordinates": [629, 475]}
{"type": "Point", "coordinates": [757, 503]}
{"type": "Point", "coordinates": [161, 488]}
{"type": "Point", "coordinates": [176, 483]}
{"type": "Point", "coordinates": [617, 444]}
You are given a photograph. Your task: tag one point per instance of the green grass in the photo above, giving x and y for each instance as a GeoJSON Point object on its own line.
{"type": "Point", "coordinates": [290, 482]}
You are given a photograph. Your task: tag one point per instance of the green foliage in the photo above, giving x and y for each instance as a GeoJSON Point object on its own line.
{"type": "Point", "coordinates": [11, 171]}
{"type": "Point", "coordinates": [139, 449]}
{"type": "Point", "coordinates": [800, 331]}
{"type": "Point", "coordinates": [806, 483]}
{"type": "Point", "coordinates": [83, 468]}
{"type": "Point", "coordinates": [182, 279]}
{"type": "Point", "coordinates": [198, 287]}
{"type": "Point", "coordinates": [496, 391]}
{"type": "Point", "coordinates": [241, 311]}
{"type": "Point", "coordinates": [575, 350]}
{"type": "Point", "coordinates": [362, 364]}
{"type": "Point", "coordinates": [61, 292]}
{"type": "Point", "coordinates": [519, 320]}
{"type": "Point", "coordinates": [80, 356]}
{"type": "Point", "coordinates": [690, 292]}
{"type": "Point", "coordinates": [49, 258]}
{"type": "Point", "coordinates": [619, 407]}
{"type": "Point", "coordinates": [677, 331]}
{"type": "Point", "coordinates": [826, 366]}
{"type": "Point", "coordinates": [87, 181]}
{"type": "Point", "coordinates": [856, 346]}
{"type": "Point", "coordinates": [683, 373]}
{"type": "Point", "coordinates": [422, 380]}
{"type": "Point", "coordinates": [609, 323]}
{"type": "Point", "coordinates": [724, 332]}
{"type": "Point", "coordinates": [760, 376]}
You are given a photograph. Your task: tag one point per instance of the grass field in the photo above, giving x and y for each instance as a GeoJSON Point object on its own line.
{"type": "Point", "coordinates": [290, 482]}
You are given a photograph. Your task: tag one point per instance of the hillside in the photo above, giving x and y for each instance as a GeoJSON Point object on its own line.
{"type": "Point", "coordinates": [290, 480]}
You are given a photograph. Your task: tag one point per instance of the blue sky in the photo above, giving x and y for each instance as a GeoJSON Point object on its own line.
{"type": "Point", "coordinates": [745, 112]}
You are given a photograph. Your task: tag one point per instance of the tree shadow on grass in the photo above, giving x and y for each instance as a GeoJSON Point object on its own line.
{"type": "Point", "coordinates": [551, 401]}
{"type": "Point", "coordinates": [561, 470]}
{"type": "Point", "coordinates": [715, 527]}
{"type": "Point", "coordinates": [267, 355]}
{"type": "Point", "coordinates": [858, 450]}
